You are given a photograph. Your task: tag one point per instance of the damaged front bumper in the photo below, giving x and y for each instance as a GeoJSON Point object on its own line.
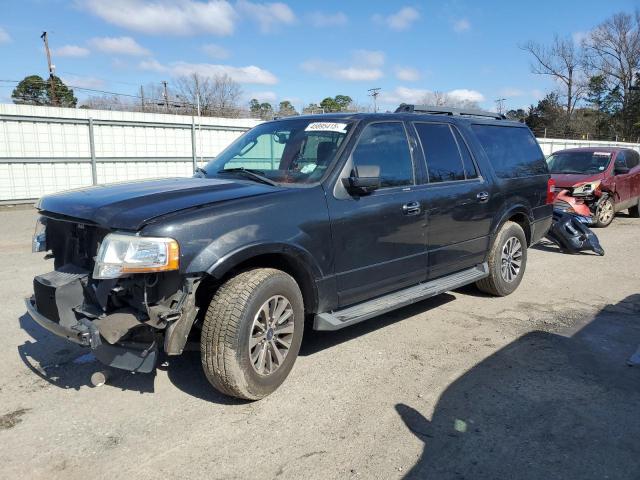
{"type": "Point", "coordinates": [69, 304]}
{"type": "Point", "coordinates": [132, 356]}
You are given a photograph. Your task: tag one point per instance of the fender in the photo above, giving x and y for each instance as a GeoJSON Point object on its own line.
{"type": "Point", "coordinates": [519, 208]}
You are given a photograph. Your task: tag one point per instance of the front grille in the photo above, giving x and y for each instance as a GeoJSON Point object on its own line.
{"type": "Point", "coordinates": [73, 243]}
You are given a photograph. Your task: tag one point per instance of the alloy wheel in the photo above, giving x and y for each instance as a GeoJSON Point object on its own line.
{"type": "Point", "coordinates": [271, 335]}
{"type": "Point", "coordinates": [511, 259]}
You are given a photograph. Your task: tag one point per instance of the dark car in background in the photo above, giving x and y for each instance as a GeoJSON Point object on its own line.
{"type": "Point", "coordinates": [305, 222]}
{"type": "Point", "coordinates": [602, 181]}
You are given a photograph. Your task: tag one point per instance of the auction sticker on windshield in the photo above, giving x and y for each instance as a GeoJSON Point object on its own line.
{"type": "Point", "coordinates": [601, 154]}
{"type": "Point", "coordinates": [326, 127]}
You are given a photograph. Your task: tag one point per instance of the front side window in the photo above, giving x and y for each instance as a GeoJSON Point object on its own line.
{"type": "Point", "coordinates": [444, 163]}
{"type": "Point", "coordinates": [513, 151]}
{"type": "Point", "coordinates": [385, 145]}
{"type": "Point", "coordinates": [287, 151]}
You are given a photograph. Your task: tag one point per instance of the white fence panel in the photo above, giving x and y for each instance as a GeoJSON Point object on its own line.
{"type": "Point", "coordinates": [46, 149]}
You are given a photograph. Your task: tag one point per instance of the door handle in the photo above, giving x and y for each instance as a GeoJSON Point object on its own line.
{"type": "Point", "coordinates": [411, 208]}
{"type": "Point", "coordinates": [483, 197]}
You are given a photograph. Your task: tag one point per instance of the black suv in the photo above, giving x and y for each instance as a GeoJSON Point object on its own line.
{"type": "Point", "coordinates": [332, 219]}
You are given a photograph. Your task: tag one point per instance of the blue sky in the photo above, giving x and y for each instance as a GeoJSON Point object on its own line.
{"type": "Point", "coordinates": [297, 50]}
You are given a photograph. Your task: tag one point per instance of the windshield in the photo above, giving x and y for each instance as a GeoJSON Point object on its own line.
{"type": "Point", "coordinates": [584, 163]}
{"type": "Point", "coordinates": [289, 151]}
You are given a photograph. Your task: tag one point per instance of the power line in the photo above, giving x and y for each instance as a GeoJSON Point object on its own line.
{"type": "Point", "coordinates": [374, 93]}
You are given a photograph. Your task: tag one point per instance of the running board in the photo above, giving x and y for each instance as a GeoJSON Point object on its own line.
{"type": "Point", "coordinates": [364, 311]}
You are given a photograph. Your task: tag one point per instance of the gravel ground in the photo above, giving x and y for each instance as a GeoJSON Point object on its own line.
{"type": "Point", "coordinates": [534, 385]}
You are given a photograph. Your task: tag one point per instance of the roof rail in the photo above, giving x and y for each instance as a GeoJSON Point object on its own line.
{"type": "Point", "coordinates": [430, 109]}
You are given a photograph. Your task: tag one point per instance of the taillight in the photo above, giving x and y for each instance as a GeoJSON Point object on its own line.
{"type": "Point", "coordinates": [551, 187]}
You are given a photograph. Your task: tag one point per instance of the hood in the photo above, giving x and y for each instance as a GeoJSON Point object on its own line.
{"type": "Point", "coordinates": [130, 205]}
{"type": "Point", "coordinates": [565, 180]}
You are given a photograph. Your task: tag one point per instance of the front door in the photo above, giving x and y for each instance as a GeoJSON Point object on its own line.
{"type": "Point", "coordinates": [379, 238]}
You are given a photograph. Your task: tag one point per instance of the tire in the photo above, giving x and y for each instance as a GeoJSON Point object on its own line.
{"type": "Point", "coordinates": [605, 213]}
{"type": "Point", "coordinates": [509, 238]}
{"type": "Point", "coordinates": [236, 317]}
{"type": "Point", "coordinates": [635, 211]}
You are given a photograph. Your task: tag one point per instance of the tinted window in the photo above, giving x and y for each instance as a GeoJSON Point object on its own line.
{"type": "Point", "coordinates": [513, 151]}
{"type": "Point", "coordinates": [385, 145]}
{"type": "Point", "coordinates": [469, 166]}
{"type": "Point", "coordinates": [441, 151]}
{"type": "Point", "coordinates": [633, 159]}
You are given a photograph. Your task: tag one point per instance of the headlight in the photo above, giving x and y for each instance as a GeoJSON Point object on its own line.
{"type": "Point", "coordinates": [586, 188]}
{"type": "Point", "coordinates": [39, 240]}
{"type": "Point", "coordinates": [120, 255]}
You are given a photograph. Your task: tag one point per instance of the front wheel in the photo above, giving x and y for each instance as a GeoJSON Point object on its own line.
{"type": "Point", "coordinates": [251, 333]}
{"type": "Point", "coordinates": [604, 213]}
{"type": "Point", "coordinates": [507, 261]}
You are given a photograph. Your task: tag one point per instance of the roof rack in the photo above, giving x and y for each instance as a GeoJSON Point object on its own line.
{"type": "Point", "coordinates": [430, 109]}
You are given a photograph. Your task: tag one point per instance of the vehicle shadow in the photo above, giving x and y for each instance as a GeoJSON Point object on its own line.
{"type": "Point", "coordinates": [545, 406]}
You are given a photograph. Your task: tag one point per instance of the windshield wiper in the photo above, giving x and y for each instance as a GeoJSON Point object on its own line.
{"type": "Point", "coordinates": [247, 172]}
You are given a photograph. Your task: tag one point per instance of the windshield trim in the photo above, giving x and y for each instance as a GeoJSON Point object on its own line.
{"type": "Point", "coordinates": [332, 165]}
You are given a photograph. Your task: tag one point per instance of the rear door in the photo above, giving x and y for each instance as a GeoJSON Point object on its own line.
{"type": "Point", "coordinates": [378, 239]}
{"type": "Point", "coordinates": [626, 183]}
{"type": "Point", "coordinates": [457, 200]}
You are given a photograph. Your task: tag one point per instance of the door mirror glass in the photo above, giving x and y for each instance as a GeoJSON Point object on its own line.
{"type": "Point", "coordinates": [364, 179]}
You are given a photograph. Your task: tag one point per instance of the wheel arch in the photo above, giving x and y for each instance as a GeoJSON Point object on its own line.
{"type": "Point", "coordinates": [518, 214]}
{"type": "Point", "coordinates": [290, 259]}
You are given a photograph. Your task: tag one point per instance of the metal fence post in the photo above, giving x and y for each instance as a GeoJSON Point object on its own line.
{"type": "Point", "coordinates": [92, 149]}
{"type": "Point", "coordinates": [193, 144]}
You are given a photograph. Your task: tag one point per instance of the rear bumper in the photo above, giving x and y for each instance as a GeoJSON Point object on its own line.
{"type": "Point", "coordinates": [130, 356]}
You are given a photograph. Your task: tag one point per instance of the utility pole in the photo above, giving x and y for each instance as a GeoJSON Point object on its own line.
{"type": "Point", "coordinates": [165, 94]}
{"type": "Point", "coordinates": [500, 104]}
{"type": "Point", "coordinates": [374, 92]}
{"type": "Point", "coordinates": [142, 98]}
{"type": "Point", "coordinates": [52, 67]}
{"type": "Point", "coordinates": [197, 93]}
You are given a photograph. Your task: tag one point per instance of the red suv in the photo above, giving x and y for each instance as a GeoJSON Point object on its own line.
{"type": "Point", "coordinates": [599, 181]}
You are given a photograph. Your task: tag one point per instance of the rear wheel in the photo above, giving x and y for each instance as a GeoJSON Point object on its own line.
{"type": "Point", "coordinates": [507, 261]}
{"type": "Point", "coordinates": [635, 211]}
{"type": "Point", "coordinates": [251, 333]}
{"type": "Point", "coordinates": [605, 213]}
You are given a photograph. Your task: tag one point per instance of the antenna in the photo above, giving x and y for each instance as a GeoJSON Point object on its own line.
{"type": "Point", "coordinates": [374, 92]}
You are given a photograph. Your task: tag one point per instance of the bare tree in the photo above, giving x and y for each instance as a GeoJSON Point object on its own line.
{"type": "Point", "coordinates": [563, 61]}
{"type": "Point", "coordinates": [218, 95]}
{"type": "Point", "coordinates": [443, 99]}
{"type": "Point", "coordinates": [613, 48]}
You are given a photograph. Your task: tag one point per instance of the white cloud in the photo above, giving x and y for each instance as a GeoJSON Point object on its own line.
{"type": "Point", "coordinates": [152, 65]}
{"type": "Point", "coordinates": [320, 19]}
{"type": "Point", "coordinates": [461, 25]}
{"type": "Point", "coordinates": [71, 51]}
{"type": "Point", "coordinates": [401, 20]}
{"type": "Point", "coordinates": [83, 82]}
{"type": "Point", "coordinates": [215, 51]}
{"type": "Point", "coordinates": [267, 15]}
{"type": "Point", "coordinates": [464, 94]}
{"type": "Point", "coordinates": [363, 65]}
{"type": "Point", "coordinates": [249, 74]}
{"type": "Point", "coordinates": [183, 17]}
{"type": "Point", "coordinates": [119, 45]}
{"type": "Point", "coordinates": [418, 95]}
{"type": "Point", "coordinates": [407, 74]}
{"type": "Point", "coordinates": [4, 36]}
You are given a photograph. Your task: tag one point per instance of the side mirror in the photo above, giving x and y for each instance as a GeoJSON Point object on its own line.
{"type": "Point", "coordinates": [364, 179]}
{"type": "Point", "coordinates": [620, 169]}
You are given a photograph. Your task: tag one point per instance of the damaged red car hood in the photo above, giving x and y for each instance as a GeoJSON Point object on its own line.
{"type": "Point", "coordinates": [565, 180]}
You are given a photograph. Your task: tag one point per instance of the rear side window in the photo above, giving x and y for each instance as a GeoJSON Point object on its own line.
{"type": "Point", "coordinates": [444, 163]}
{"type": "Point", "coordinates": [469, 166]}
{"type": "Point", "coordinates": [385, 144]}
{"type": "Point", "coordinates": [513, 151]}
